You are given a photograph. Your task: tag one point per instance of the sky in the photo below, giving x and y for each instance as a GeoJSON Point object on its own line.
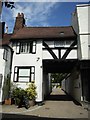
{"type": "Point", "coordinates": [40, 13]}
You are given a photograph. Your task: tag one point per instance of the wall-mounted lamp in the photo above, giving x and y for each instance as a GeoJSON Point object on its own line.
{"type": "Point", "coordinates": [38, 58]}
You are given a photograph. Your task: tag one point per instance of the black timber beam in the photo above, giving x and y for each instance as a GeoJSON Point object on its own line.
{"type": "Point", "coordinates": [50, 50]}
{"type": "Point", "coordinates": [59, 48]}
{"type": "Point", "coordinates": [69, 49]}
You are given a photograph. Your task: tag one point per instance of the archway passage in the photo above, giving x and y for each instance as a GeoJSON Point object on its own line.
{"type": "Point", "coordinates": [61, 66]}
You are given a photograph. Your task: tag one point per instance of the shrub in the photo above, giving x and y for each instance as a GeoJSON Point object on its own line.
{"type": "Point", "coordinates": [18, 94]}
{"type": "Point", "coordinates": [31, 91]}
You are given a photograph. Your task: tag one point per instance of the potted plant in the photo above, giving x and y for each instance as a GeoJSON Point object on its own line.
{"type": "Point", "coordinates": [31, 93]}
{"type": "Point", "coordinates": [18, 94]}
{"type": "Point", "coordinates": [6, 90]}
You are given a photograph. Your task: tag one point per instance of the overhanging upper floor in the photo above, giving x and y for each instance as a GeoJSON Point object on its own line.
{"type": "Point", "coordinates": [59, 65]}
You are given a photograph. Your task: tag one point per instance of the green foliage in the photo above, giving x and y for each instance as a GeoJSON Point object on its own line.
{"type": "Point", "coordinates": [18, 93]}
{"type": "Point", "coordinates": [13, 86]}
{"type": "Point", "coordinates": [6, 86]}
{"type": "Point", "coordinates": [58, 77]}
{"type": "Point", "coordinates": [31, 91]}
{"type": "Point", "coordinates": [17, 101]}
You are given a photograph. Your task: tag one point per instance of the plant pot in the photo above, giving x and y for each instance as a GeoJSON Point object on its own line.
{"type": "Point", "coordinates": [8, 101]}
{"type": "Point", "coordinates": [32, 102]}
{"type": "Point", "coordinates": [17, 101]}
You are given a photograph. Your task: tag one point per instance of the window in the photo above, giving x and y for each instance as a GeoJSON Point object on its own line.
{"type": "Point", "coordinates": [61, 34]}
{"type": "Point", "coordinates": [17, 48]}
{"type": "Point", "coordinates": [59, 43]}
{"type": "Point", "coordinates": [68, 42]}
{"type": "Point", "coordinates": [24, 74]}
{"type": "Point", "coordinates": [1, 77]}
{"type": "Point", "coordinates": [63, 43]}
{"type": "Point", "coordinates": [26, 47]}
{"type": "Point", "coordinates": [5, 54]}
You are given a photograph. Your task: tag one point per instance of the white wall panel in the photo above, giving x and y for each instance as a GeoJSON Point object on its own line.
{"type": "Point", "coordinates": [83, 15]}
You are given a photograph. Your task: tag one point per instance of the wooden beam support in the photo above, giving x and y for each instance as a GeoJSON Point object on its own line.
{"type": "Point", "coordinates": [63, 48]}
{"type": "Point", "coordinates": [50, 50]}
{"type": "Point", "coordinates": [68, 50]}
{"type": "Point", "coordinates": [59, 53]}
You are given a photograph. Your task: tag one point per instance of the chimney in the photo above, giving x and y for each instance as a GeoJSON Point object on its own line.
{"type": "Point", "coordinates": [6, 29]}
{"type": "Point", "coordinates": [19, 23]}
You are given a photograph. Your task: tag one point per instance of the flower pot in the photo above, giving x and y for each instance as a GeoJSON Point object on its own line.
{"type": "Point", "coordinates": [32, 102]}
{"type": "Point", "coordinates": [17, 101]}
{"type": "Point", "coordinates": [8, 101]}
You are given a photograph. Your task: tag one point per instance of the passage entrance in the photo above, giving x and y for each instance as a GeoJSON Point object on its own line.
{"type": "Point", "coordinates": [56, 66]}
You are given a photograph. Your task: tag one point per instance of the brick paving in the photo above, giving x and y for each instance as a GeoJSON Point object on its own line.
{"type": "Point", "coordinates": [57, 106]}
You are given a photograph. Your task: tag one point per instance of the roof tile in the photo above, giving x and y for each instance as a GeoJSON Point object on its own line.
{"type": "Point", "coordinates": [44, 32]}
{"type": "Point", "coordinates": [6, 39]}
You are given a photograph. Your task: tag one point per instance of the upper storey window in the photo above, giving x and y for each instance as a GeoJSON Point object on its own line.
{"type": "Point", "coordinates": [5, 54]}
{"type": "Point", "coordinates": [63, 43]}
{"type": "Point", "coordinates": [26, 47]}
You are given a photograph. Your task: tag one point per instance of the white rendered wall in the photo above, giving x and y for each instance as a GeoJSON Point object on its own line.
{"type": "Point", "coordinates": [8, 63]}
{"type": "Point", "coordinates": [88, 46]}
{"type": "Point", "coordinates": [47, 55]}
{"type": "Point", "coordinates": [83, 18]}
{"type": "Point", "coordinates": [2, 69]}
{"type": "Point", "coordinates": [84, 46]}
{"type": "Point", "coordinates": [30, 60]}
{"type": "Point", "coordinates": [39, 72]}
{"type": "Point", "coordinates": [2, 61]}
{"type": "Point", "coordinates": [80, 22]}
{"type": "Point", "coordinates": [72, 85]}
{"type": "Point", "coordinates": [72, 54]}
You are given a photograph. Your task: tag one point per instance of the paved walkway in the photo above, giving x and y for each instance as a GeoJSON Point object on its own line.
{"type": "Point", "coordinates": [58, 105]}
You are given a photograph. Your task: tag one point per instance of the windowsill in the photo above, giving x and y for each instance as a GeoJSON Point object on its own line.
{"type": "Point", "coordinates": [25, 53]}
{"type": "Point", "coordinates": [21, 82]}
{"type": "Point", "coordinates": [5, 59]}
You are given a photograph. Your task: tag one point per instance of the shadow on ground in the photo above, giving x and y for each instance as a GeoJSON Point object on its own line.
{"type": "Point", "coordinates": [29, 117]}
{"type": "Point", "coordinates": [58, 98]}
{"type": "Point", "coordinates": [62, 98]}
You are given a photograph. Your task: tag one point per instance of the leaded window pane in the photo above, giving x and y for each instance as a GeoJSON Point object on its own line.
{"type": "Point", "coordinates": [15, 77]}
{"type": "Point", "coordinates": [28, 47]}
{"type": "Point", "coordinates": [32, 77]}
{"type": "Point", "coordinates": [23, 79]}
{"type": "Point", "coordinates": [24, 72]}
{"type": "Point", "coordinates": [59, 43]}
{"type": "Point", "coordinates": [18, 47]}
{"type": "Point", "coordinates": [5, 54]}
